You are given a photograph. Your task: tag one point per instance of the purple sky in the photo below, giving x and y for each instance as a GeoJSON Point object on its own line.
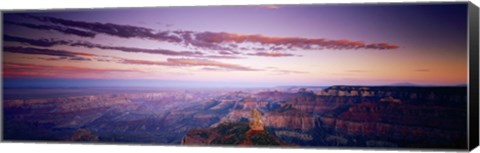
{"type": "Point", "coordinates": [268, 45]}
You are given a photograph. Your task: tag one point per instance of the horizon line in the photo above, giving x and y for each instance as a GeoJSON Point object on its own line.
{"type": "Point", "coordinates": [49, 82]}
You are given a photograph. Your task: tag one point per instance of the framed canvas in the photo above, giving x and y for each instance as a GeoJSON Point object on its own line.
{"type": "Point", "coordinates": [369, 76]}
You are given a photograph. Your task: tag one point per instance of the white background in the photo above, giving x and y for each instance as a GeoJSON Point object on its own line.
{"type": "Point", "coordinates": [84, 148]}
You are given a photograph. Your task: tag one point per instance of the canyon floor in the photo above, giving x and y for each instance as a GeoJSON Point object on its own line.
{"type": "Point", "coordinates": [349, 116]}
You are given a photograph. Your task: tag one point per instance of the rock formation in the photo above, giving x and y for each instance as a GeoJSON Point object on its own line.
{"type": "Point", "coordinates": [84, 136]}
{"type": "Point", "coordinates": [230, 133]}
{"type": "Point", "coordinates": [256, 123]}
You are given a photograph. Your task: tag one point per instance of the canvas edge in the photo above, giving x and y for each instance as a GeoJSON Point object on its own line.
{"type": "Point", "coordinates": [379, 2]}
{"type": "Point", "coordinates": [1, 79]}
{"type": "Point", "coordinates": [473, 106]}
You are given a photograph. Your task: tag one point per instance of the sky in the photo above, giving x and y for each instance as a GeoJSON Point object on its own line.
{"type": "Point", "coordinates": [250, 45]}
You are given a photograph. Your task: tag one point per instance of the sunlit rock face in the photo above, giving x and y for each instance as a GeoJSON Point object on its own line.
{"type": "Point", "coordinates": [256, 123]}
{"type": "Point", "coordinates": [233, 133]}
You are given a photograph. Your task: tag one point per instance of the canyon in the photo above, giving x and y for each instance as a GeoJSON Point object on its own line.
{"type": "Point", "coordinates": [356, 116]}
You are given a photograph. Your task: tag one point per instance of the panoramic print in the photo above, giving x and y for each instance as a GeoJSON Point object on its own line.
{"type": "Point", "coordinates": [369, 75]}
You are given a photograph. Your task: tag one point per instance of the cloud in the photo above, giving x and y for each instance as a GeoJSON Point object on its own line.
{"type": "Point", "coordinates": [19, 70]}
{"type": "Point", "coordinates": [53, 42]}
{"type": "Point", "coordinates": [216, 40]}
{"type": "Point", "coordinates": [277, 71]}
{"type": "Point", "coordinates": [80, 59]}
{"type": "Point", "coordinates": [137, 50]}
{"type": "Point", "coordinates": [123, 31]}
{"type": "Point", "coordinates": [222, 57]}
{"type": "Point", "coordinates": [205, 40]}
{"type": "Point", "coordinates": [229, 52]}
{"type": "Point", "coordinates": [66, 58]}
{"type": "Point", "coordinates": [34, 42]}
{"type": "Point", "coordinates": [271, 54]}
{"type": "Point", "coordinates": [74, 56]}
{"type": "Point", "coordinates": [358, 71]}
{"type": "Point", "coordinates": [144, 62]}
{"type": "Point", "coordinates": [69, 31]}
{"type": "Point", "coordinates": [381, 46]}
{"type": "Point", "coordinates": [86, 44]}
{"type": "Point", "coordinates": [213, 69]}
{"type": "Point", "coordinates": [39, 51]}
{"type": "Point", "coordinates": [422, 70]}
{"type": "Point", "coordinates": [286, 72]}
{"type": "Point", "coordinates": [191, 62]}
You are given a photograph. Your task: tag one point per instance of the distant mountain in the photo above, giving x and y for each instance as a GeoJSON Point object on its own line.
{"type": "Point", "coordinates": [404, 84]}
{"type": "Point", "coordinates": [293, 86]}
{"type": "Point", "coordinates": [408, 84]}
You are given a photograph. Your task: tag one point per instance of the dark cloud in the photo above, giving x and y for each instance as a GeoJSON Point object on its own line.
{"type": "Point", "coordinates": [217, 40]}
{"type": "Point", "coordinates": [52, 42]}
{"type": "Point", "coordinates": [205, 40]}
{"type": "Point", "coordinates": [381, 46]}
{"type": "Point", "coordinates": [123, 31]}
{"type": "Point", "coordinates": [67, 58]}
{"type": "Point", "coordinates": [39, 51]}
{"type": "Point", "coordinates": [224, 52]}
{"type": "Point", "coordinates": [65, 30]}
{"type": "Point", "coordinates": [34, 42]}
{"type": "Point", "coordinates": [138, 50]}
